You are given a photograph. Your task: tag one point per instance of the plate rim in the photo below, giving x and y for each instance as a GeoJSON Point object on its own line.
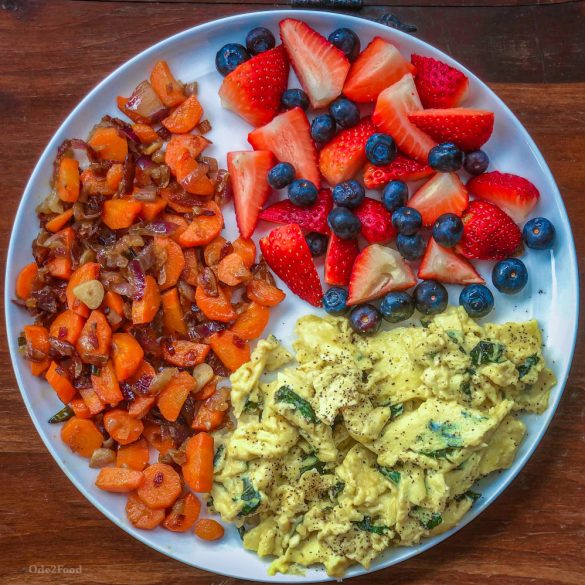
{"type": "Point", "coordinates": [45, 158]}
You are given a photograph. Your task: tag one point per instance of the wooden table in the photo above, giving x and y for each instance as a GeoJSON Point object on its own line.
{"type": "Point", "coordinates": [532, 52]}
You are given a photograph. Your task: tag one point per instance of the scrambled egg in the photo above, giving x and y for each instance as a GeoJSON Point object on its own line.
{"type": "Point", "coordinates": [372, 442]}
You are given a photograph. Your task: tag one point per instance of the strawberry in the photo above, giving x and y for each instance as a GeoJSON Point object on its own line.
{"type": "Point", "coordinates": [439, 85]}
{"type": "Point", "coordinates": [488, 233]}
{"type": "Point", "coordinates": [345, 155]}
{"type": "Point", "coordinates": [379, 65]}
{"type": "Point", "coordinates": [288, 137]}
{"type": "Point", "coordinates": [468, 129]}
{"type": "Point", "coordinates": [253, 90]}
{"type": "Point", "coordinates": [287, 253]}
{"type": "Point", "coordinates": [402, 167]}
{"type": "Point", "coordinates": [444, 265]}
{"type": "Point", "coordinates": [376, 271]}
{"type": "Point", "coordinates": [376, 222]}
{"type": "Point", "coordinates": [516, 195]}
{"type": "Point", "coordinates": [394, 105]}
{"type": "Point", "coordinates": [339, 260]}
{"type": "Point", "coordinates": [444, 193]}
{"type": "Point", "coordinates": [312, 219]}
{"type": "Point", "coordinates": [320, 66]}
{"type": "Point", "coordinates": [248, 174]}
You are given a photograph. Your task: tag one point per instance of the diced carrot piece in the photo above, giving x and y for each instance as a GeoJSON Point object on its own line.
{"type": "Point", "coordinates": [192, 176]}
{"type": "Point", "coordinates": [251, 323]}
{"type": "Point", "coordinates": [191, 270]}
{"type": "Point", "coordinates": [246, 249]}
{"type": "Point", "coordinates": [92, 400]}
{"type": "Point", "coordinates": [114, 177]}
{"type": "Point", "coordinates": [170, 197]}
{"type": "Point", "coordinates": [263, 293]}
{"type": "Point", "coordinates": [67, 326]}
{"type": "Point", "coordinates": [172, 397]}
{"type": "Point", "coordinates": [152, 433]}
{"type": "Point", "coordinates": [37, 341]}
{"type": "Point", "coordinates": [93, 345]}
{"type": "Point", "coordinates": [212, 253]}
{"type": "Point", "coordinates": [113, 303]}
{"type": "Point", "coordinates": [81, 436]}
{"type": "Point", "coordinates": [207, 390]}
{"type": "Point", "coordinates": [145, 133]}
{"type": "Point", "coordinates": [122, 427]}
{"type": "Point", "coordinates": [133, 456]}
{"type": "Point", "coordinates": [59, 221]}
{"type": "Point", "coordinates": [207, 419]}
{"type": "Point", "coordinates": [185, 117]}
{"type": "Point", "coordinates": [183, 513]}
{"type": "Point", "coordinates": [68, 185]}
{"type": "Point", "coordinates": [179, 144]}
{"type": "Point", "coordinates": [165, 85]}
{"type": "Point", "coordinates": [185, 354]}
{"type": "Point", "coordinates": [94, 184]}
{"type": "Point", "coordinates": [232, 271]}
{"type": "Point", "coordinates": [119, 480]}
{"type": "Point", "coordinates": [79, 407]}
{"type": "Point", "coordinates": [109, 144]}
{"type": "Point", "coordinates": [86, 272]}
{"type": "Point", "coordinates": [230, 348]}
{"type": "Point", "coordinates": [204, 227]}
{"type": "Point", "coordinates": [179, 221]}
{"type": "Point", "coordinates": [208, 529]}
{"type": "Point", "coordinates": [120, 214]}
{"type": "Point", "coordinates": [127, 355]}
{"type": "Point", "coordinates": [217, 308]}
{"type": "Point", "coordinates": [25, 281]}
{"type": "Point", "coordinates": [142, 404]}
{"type": "Point", "coordinates": [173, 318]}
{"type": "Point", "coordinates": [174, 263]}
{"type": "Point", "coordinates": [161, 487]}
{"type": "Point", "coordinates": [198, 469]}
{"type": "Point", "coordinates": [59, 266]}
{"type": "Point", "coordinates": [106, 384]}
{"type": "Point", "coordinates": [152, 209]}
{"type": "Point", "coordinates": [140, 515]}
{"type": "Point", "coordinates": [144, 309]}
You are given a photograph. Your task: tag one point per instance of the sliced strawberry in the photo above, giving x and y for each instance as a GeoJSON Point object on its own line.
{"type": "Point", "coordinates": [287, 253]}
{"type": "Point", "coordinates": [376, 271]}
{"type": "Point", "coordinates": [376, 221]}
{"type": "Point", "coordinates": [253, 90]}
{"type": "Point", "coordinates": [402, 167]}
{"type": "Point", "coordinates": [339, 260]}
{"type": "Point", "coordinates": [488, 233]}
{"type": "Point", "coordinates": [394, 105]}
{"type": "Point", "coordinates": [312, 219]}
{"type": "Point", "coordinates": [439, 85]}
{"type": "Point", "coordinates": [516, 195]}
{"type": "Point", "coordinates": [248, 174]}
{"type": "Point", "coordinates": [320, 66]}
{"type": "Point", "coordinates": [379, 65]}
{"type": "Point", "coordinates": [288, 137]}
{"type": "Point", "coordinates": [445, 266]}
{"type": "Point", "coordinates": [345, 155]}
{"type": "Point", "coordinates": [444, 193]}
{"type": "Point", "coordinates": [468, 129]}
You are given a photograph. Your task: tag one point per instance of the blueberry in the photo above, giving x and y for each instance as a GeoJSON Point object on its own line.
{"type": "Point", "coordinates": [349, 194]}
{"type": "Point", "coordinates": [229, 57]}
{"type": "Point", "coordinates": [381, 149]}
{"type": "Point", "coordinates": [395, 195]}
{"type": "Point", "coordinates": [335, 300]}
{"type": "Point", "coordinates": [445, 157]}
{"type": "Point", "coordinates": [477, 300]}
{"type": "Point", "coordinates": [476, 162]}
{"type": "Point", "coordinates": [407, 220]}
{"type": "Point", "coordinates": [281, 175]}
{"type": "Point", "coordinates": [317, 243]}
{"type": "Point", "coordinates": [430, 297]}
{"type": "Point", "coordinates": [344, 112]}
{"type": "Point", "coordinates": [302, 193]}
{"type": "Point", "coordinates": [323, 128]}
{"type": "Point", "coordinates": [510, 276]}
{"type": "Point", "coordinates": [539, 233]}
{"type": "Point", "coordinates": [259, 39]}
{"type": "Point", "coordinates": [365, 319]}
{"type": "Point", "coordinates": [448, 230]}
{"type": "Point", "coordinates": [344, 223]}
{"type": "Point", "coordinates": [411, 247]}
{"type": "Point", "coordinates": [293, 98]}
{"type": "Point", "coordinates": [347, 41]}
{"type": "Point", "coordinates": [397, 306]}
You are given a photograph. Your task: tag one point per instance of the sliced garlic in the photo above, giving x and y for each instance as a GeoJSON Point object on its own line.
{"type": "Point", "coordinates": [90, 293]}
{"type": "Point", "coordinates": [203, 373]}
{"type": "Point", "coordinates": [102, 457]}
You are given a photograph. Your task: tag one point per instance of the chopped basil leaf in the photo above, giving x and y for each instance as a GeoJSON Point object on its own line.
{"type": "Point", "coordinates": [427, 518]}
{"type": "Point", "coordinates": [466, 388]}
{"type": "Point", "coordinates": [425, 323]}
{"type": "Point", "coordinates": [367, 526]}
{"type": "Point", "coordinates": [337, 489]}
{"type": "Point", "coordinates": [285, 394]}
{"type": "Point", "coordinates": [393, 476]}
{"type": "Point", "coordinates": [251, 498]}
{"type": "Point", "coordinates": [217, 458]}
{"type": "Point", "coordinates": [524, 368]}
{"type": "Point", "coordinates": [486, 352]}
{"type": "Point", "coordinates": [311, 462]}
{"type": "Point", "coordinates": [396, 409]}
{"type": "Point", "coordinates": [439, 453]}
{"type": "Point", "coordinates": [456, 337]}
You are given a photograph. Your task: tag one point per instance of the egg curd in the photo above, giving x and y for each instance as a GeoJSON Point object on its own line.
{"type": "Point", "coordinates": [372, 442]}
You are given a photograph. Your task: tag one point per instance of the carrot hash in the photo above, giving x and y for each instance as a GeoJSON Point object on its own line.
{"type": "Point", "coordinates": [139, 306]}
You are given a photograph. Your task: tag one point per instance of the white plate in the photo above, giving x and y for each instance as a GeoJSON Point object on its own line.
{"type": "Point", "coordinates": [551, 295]}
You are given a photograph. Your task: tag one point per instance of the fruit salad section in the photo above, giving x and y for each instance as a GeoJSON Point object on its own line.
{"type": "Point", "coordinates": [386, 173]}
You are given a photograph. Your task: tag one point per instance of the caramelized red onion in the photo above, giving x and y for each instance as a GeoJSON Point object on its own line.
{"type": "Point", "coordinates": [145, 102]}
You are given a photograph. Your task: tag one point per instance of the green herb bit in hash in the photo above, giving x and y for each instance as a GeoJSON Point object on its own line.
{"type": "Point", "coordinates": [367, 526]}
{"type": "Point", "coordinates": [486, 352]}
{"type": "Point", "coordinates": [393, 476]}
{"type": "Point", "coordinates": [251, 497]}
{"type": "Point", "coordinates": [525, 367]}
{"type": "Point", "coordinates": [285, 394]}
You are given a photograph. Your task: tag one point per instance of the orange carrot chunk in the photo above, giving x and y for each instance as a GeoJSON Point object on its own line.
{"type": "Point", "coordinates": [67, 326]}
{"type": "Point", "coordinates": [251, 323]}
{"type": "Point", "coordinates": [37, 347]}
{"type": "Point", "coordinates": [122, 427]}
{"type": "Point", "coordinates": [207, 419]}
{"type": "Point", "coordinates": [246, 249]}
{"type": "Point", "coordinates": [133, 456]}
{"type": "Point", "coordinates": [85, 273]}
{"type": "Point", "coordinates": [171, 399]}
{"type": "Point", "coordinates": [185, 117]}
{"type": "Point", "coordinates": [230, 348]}
{"type": "Point", "coordinates": [208, 529]}
{"type": "Point", "coordinates": [146, 134]}
{"type": "Point", "coordinates": [152, 209]}
{"type": "Point", "coordinates": [59, 221]}
{"type": "Point", "coordinates": [59, 264]}
{"type": "Point", "coordinates": [109, 144]}
{"type": "Point", "coordinates": [127, 355]}
{"type": "Point", "coordinates": [217, 308]}
{"type": "Point", "coordinates": [114, 177]}
{"type": "Point", "coordinates": [92, 400]}
{"type": "Point", "coordinates": [59, 381]}
{"type": "Point", "coordinates": [79, 408]}
{"type": "Point", "coordinates": [144, 309]}
{"type": "Point", "coordinates": [105, 384]}
{"type": "Point", "coordinates": [81, 436]}
{"type": "Point", "coordinates": [191, 270]}
{"type": "Point", "coordinates": [185, 354]}
{"type": "Point", "coordinates": [93, 345]}
{"type": "Point", "coordinates": [173, 261]}
{"type": "Point", "coordinates": [192, 176]}
{"type": "Point", "coordinates": [263, 293]}
{"type": "Point", "coordinates": [232, 271]}
{"type": "Point", "coordinates": [68, 181]}
{"type": "Point", "coordinates": [179, 144]}
{"type": "Point", "coordinates": [25, 281]}
{"type": "Point", "coordinates": [183, 514]}
{"type": "Point", "coordinates": [140, 515]}
{"type": "Point", "coordinates": [161, 487]}
{"type": "Point", "coordinates": [168, 89]}
{"type": "Point", "coordinates": [173, 318]}
{"type": "Point", "coordinates": [198, 469]}
{"type": "Point", "coordinates": [118, 480]}
{"type": "Point", "coordinates": [153, 434]}
{"type": "Point", "coordinates": [120, 214]}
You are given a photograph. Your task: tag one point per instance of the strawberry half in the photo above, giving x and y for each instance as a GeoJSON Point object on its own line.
{"type": "Point", "coordinates": [394, 105]}
{"type": "Point", "coordinates": [516, 195]}
{"type": "Point", "coordinates": [444, 193]}
{"type": "Point", "coordinates": [320, 66]}
{"type": "Point", "coordinates": [468, 129]}
{"type": "Point", "coordinates": [248, 174]}
{"type": "Point", "coordinates": [345, 155]}
{"type": "Point", "coordinates": [288, 137]}
{"type": "Point", "coordinates": [339, 260]}
{"type": "Point", "coordinates": [253, 90]}
{"type": "Point", "coordinates": [444, 265]}
{"type": "Point", "coordinates": [488, 233]}
{"type": "Point", "coordinates": [376, 221]}
{"type": "Point", "coordinates": [376, 271]}
{"type": "Point", "coordinates": [287, 253]}
{"type": "Point", "coordinates": [402, 167]}
{"type": "Point", "coordinates": [439, 85]}
{"type": "Point", "coordinates": [379, 65]}
{"type": "Point", "coordinates": [312, 219]}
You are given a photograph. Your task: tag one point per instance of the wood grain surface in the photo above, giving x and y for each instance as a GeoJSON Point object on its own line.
{"type": "Point", "coordinates": [533, 55]}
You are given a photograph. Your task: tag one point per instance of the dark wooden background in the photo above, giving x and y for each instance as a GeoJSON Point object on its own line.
{"type": "Point", "coordinates": [532, 52]}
